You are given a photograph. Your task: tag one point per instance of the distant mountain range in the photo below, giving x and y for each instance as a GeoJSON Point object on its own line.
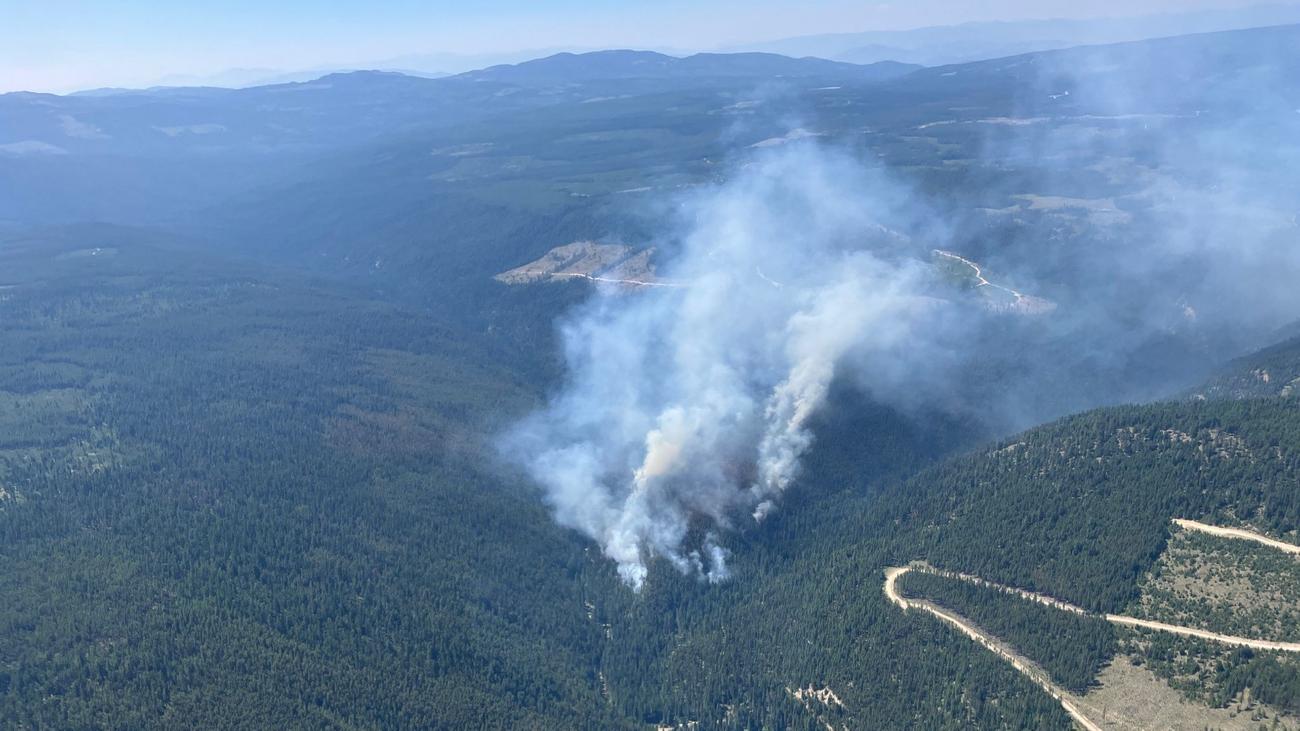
{"type": "Point", "coordinates": [949, 44]}
{"type": "Point", "coordinates": [927, 46]}
{"type": "Point", "coordinates": [245, 78]}
{"type": "Point", "coordinates": [629, 64]}
{"type": "Point", "coordinates": [427, 65]}
{"type": "Point", "coordinates": [118, 119]}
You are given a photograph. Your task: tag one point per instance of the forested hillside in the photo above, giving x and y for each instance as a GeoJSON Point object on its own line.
{"type": "Point", "coordinates": [214, 475]}
{"type": "Point", "coordinates": [1274, 371]}
{"type": "Point", "coordinates": [1073, 648]}
{"type": "Point", "coordinates": [1078, 509]}
{"type": "Point", "coordinates": [212, 478]}
{"type": "Point", "coordinates": [229, 502]}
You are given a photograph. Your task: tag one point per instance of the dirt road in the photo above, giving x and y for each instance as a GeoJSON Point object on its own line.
{"type": "Point", "coordinates": [611, 280]}
{"type": "Point", "coordinates": [1245, 535]}
{"type": "Point", "coordinates": [1036, 674]}
{"type": "Point", "coordinates": [1215, 636]}
{"type": "Point", "coordinates": [1118, 618]}
{"type": "Point", "coordinates": [979, 273]}
{"type": "Point", "coordinates": [1022, 664]}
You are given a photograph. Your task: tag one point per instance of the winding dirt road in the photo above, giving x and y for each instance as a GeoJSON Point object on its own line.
{"type": "Point", "coordinates": [1030, 669]}
{"type": "Point", "coordinates": [1245, 535]}
{"type": "Point", "coordinates": [979, 273]}
{"type": "Point", "coordinates": [1133, 621]}
{"type": "Point", "coordinates": [1026, 666]}
{"type": "Point", "coordinates": [611, 280]}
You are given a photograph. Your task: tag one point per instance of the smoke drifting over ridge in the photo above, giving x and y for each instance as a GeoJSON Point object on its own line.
{"type": "Point", "coordinates": [1160, 214]}
{"type": "Point", "coordinates": [1150, 189]}
{"type": "Point", "coordinates": [693, 403]}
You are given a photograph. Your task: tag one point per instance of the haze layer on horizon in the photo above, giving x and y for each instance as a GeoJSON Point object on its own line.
{"type": "Point", "coordinates": [67, 45]}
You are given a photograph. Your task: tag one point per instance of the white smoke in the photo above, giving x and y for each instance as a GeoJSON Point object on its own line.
{"type": "Point", "coordinates": [687, 409]}
{"type": "Point", "coordinates": [1154, 203]}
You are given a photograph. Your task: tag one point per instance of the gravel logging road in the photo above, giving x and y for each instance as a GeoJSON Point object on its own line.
{"type": "Point", "coordinates": [1030, 669]}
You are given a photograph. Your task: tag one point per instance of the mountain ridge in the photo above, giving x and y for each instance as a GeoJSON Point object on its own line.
{"type": "Point", "coordinates": [981, 40]}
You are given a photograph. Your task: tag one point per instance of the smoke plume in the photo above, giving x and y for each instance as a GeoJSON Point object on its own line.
{"type": "Point", "coordinates": [692, 403]}
{"type": "Point", "coordinates": [1129, 226]}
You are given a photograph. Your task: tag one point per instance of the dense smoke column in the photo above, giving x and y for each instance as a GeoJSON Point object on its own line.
{"type": "Point", "coordinates": [693, 403]}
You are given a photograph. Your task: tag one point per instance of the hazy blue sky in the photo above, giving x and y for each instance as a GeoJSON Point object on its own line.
{"type": "Point", "coordinates": [59, 45]}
